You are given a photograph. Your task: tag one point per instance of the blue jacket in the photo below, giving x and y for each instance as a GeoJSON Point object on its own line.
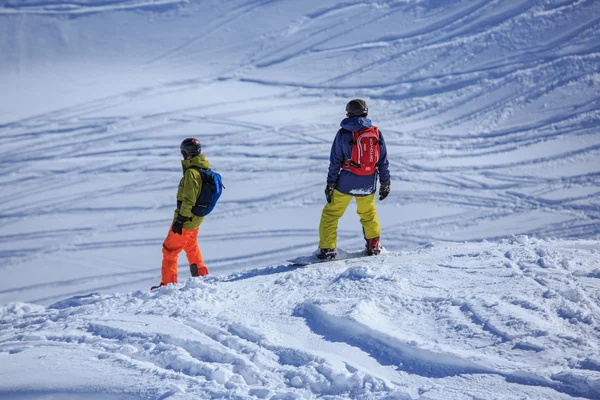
{"type": "Point", "coordinates": [341, 150]}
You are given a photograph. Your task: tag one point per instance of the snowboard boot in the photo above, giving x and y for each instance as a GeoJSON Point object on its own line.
{"type": "Point", "coordinates": [326, 254]}
{"type": "Point", "coordinates": [198, 271]}
{"type": "Point", "coordinates": [373, 246]}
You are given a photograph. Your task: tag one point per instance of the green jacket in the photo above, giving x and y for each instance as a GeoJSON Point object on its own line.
{"type": "Point", "coordinates": [189, 189]}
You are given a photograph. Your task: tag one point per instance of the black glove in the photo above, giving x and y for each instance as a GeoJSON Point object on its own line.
{"type": "Point", "coordinates": [329, 191]}
{"type": "Point", "coordinates": [384, 189]}
{"type": "Point", "coordinates": [178, 224]}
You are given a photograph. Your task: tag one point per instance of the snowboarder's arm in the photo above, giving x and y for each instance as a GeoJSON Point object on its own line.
{"type": "Point", "coordinates": [383, 163]}
{"type": "Point", "coordinates": [192, 185]}
{"type": "Point", "coordinates": [336, 158]}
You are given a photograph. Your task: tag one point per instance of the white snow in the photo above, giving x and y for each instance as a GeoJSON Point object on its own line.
{"type": "Point", "coordinates": [518, 317]}
{"type": "Point", "coordinates": [489, 285]}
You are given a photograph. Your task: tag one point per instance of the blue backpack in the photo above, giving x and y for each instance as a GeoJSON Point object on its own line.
{"type": "Point", "coordinates": [212, 187]}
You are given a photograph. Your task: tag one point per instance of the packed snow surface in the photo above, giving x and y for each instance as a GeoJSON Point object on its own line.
{"type": "Point", "coordinates": [491, 114]}
{"type": "Point", "coordinates": [510, 320]}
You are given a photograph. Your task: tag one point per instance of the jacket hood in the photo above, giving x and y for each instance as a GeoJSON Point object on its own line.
{"type": "Point", "coordinates": [198, 161]}
{"type": "Point", "coordinates": [354, 124]}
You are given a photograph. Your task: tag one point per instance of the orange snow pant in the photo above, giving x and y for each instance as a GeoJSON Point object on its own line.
{"type": "Point", "coordinates": [172, 246]}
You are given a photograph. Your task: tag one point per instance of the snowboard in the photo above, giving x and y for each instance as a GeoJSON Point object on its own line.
{"type": "Point", "coordinates": [341, 255]}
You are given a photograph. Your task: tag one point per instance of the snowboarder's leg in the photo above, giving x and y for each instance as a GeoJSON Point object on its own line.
{"type": "Point", "coordinates": [365, 208]}
{"type": "Point", "coordinates": [193, 253]}
{"type": "Point", "coordinates": [329, 219]}
{"type": "Point", "coordinates": [172, 246]}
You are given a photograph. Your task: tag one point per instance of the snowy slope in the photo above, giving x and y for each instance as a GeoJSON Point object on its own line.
{"type": "Point", "coordinates": [490, 110]}
{"type": "Point", "coordinates": [511, 320]}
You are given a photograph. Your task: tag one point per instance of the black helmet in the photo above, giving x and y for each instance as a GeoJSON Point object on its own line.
{"type": "Point", "coordinates": [357, 108]}
{"type": "Point", "coordinates": [190, 147]}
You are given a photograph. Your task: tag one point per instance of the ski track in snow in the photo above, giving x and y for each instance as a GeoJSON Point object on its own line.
{"type": "Point", "coordinates": [83, 7]}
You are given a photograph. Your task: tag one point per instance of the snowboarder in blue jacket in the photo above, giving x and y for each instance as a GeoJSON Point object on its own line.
{"type": "Point", "coordinates": [358, 157]}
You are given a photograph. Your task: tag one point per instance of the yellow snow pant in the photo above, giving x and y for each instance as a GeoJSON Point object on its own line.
{"type": "Point", "coordinates": [333, 212]}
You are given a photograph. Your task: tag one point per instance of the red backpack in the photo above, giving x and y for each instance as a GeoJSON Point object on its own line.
{"type": "Point", "coordinates": [365, 152]}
